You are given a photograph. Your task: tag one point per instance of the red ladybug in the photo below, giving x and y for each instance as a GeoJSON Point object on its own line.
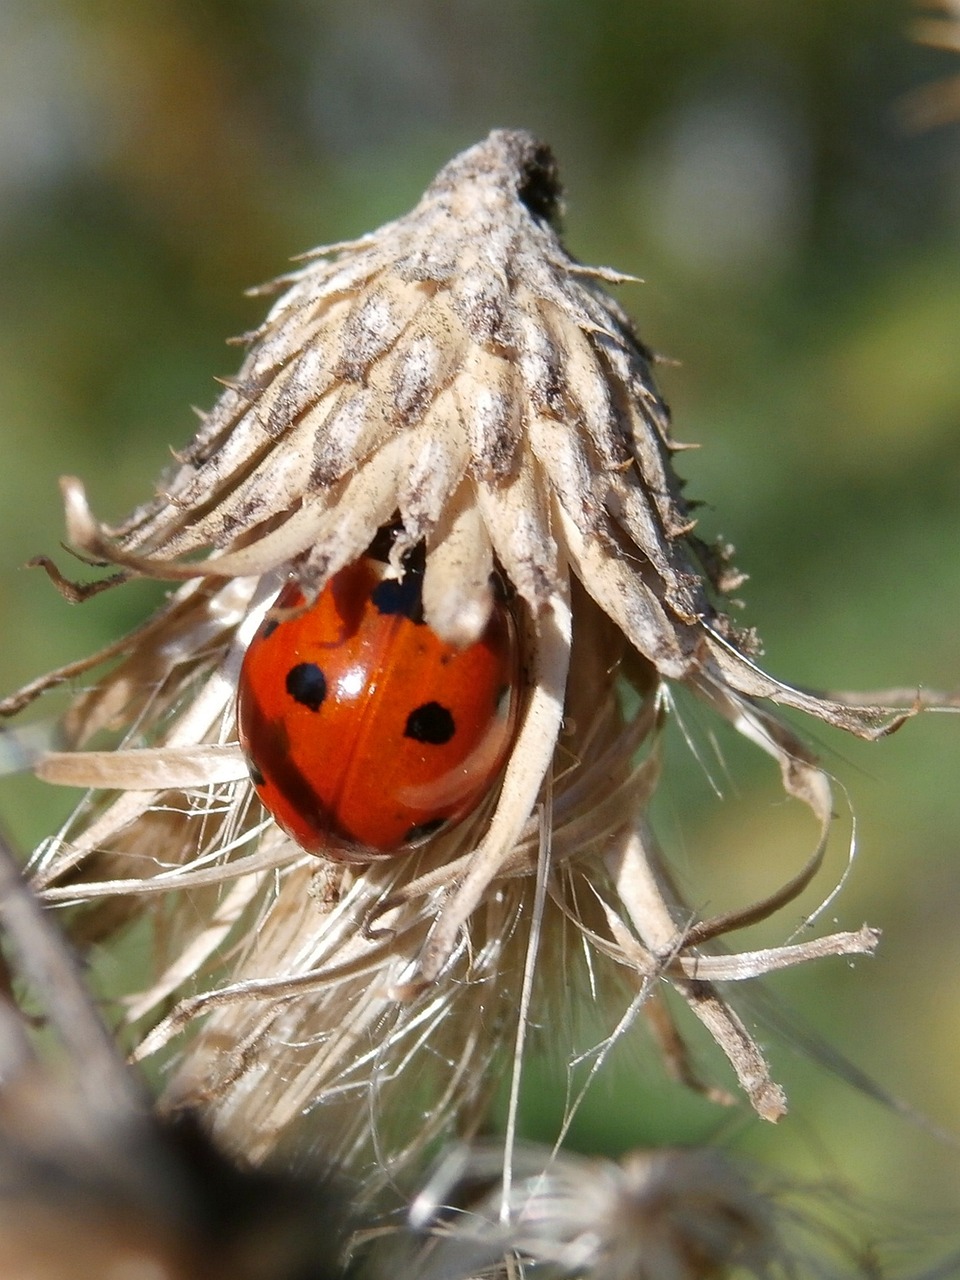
{"type": "Point", "coordinates": [364, 730]}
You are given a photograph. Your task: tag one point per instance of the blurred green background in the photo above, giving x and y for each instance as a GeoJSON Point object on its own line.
{"type": "Point", "coordinates": [801, 249]}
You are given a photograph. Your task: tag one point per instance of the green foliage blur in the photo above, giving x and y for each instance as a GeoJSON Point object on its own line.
{"type": "Point", "coordinates": [801, 247]}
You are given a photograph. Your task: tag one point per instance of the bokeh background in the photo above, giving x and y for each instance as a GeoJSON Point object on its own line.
{"type": "Point", "coordinates": [800, 239]}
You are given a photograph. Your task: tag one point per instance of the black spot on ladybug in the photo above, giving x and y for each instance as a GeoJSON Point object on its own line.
{"type": "Point", "coordinates": [269, 628]}
{"type": "Point", "coordinates": [256, 777]}
{"type": "Point", "coordinates": [430, 723]}
{"type": "Point", "coordinates": [307, 685]}
{"type": "Point", "coordinates": [396, 596]}
{"type": "Point", "coordinates": [423, 829]}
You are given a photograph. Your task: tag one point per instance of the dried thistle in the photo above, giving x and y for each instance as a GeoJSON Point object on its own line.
{"type": "Point", "coordinates": [95, 1185]}
{"type": "Point", "coordinates": [937, 103]}
{"type": "Point", "coordinates": [684, 1215]}
{"type": "Point", "coordinates": [458, 373]}
{"type": "Point", "coordinates": [654, 1215]}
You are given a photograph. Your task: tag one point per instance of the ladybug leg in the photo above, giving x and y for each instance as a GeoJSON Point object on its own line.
{"type": "Point", "coordinates": [526, 770]}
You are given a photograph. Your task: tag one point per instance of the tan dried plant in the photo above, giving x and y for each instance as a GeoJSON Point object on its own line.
{"type": "Point", "coordinates": [938, 102]}
{"type": "Point", "coordinates": [459, 374]}
{"type": "Point", "coordinates": [95, 1185]}
{"type": "Point", "coordinates": [671, 1214]}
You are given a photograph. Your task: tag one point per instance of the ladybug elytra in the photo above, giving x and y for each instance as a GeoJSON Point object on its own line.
{"type": "Point", "coordinates": [363, 730]}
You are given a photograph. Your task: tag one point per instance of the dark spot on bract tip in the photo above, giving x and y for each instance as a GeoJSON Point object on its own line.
{"type": "Point", "coordinates": [307, 685]}
{"type": "Point", "coordinates": [539, 186]}
{"type": "Point", "coordinates": [431, 723]}
{"type": "Point", "coordinates": [424, 829]}
{"type": "Point", "coordinates": [400, 596]}
{"type": "Point", "coordinates": [256, 777]}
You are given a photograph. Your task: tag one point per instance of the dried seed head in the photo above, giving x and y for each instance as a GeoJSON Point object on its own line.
{"type": "Point", "coordinates": [687, 1215]}
{"type": "Point", "coordinates": [656, 1215]}
{"type": "Point", "coordinates": [459, 369]}
{"type": "Point", "coordinates": [458, 372]}
{"type": "Point", "coordinates": [938, 102]}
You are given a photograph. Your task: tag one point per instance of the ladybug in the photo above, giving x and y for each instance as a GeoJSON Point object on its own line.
{"type": "Point", "coordinates": [364, 732]}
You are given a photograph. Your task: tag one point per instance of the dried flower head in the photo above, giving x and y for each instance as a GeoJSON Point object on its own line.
{"type": "Point", "coordinates": [936, 103]}
{"type": "Point", "coordinates": [458, 375]}
{"type": "Point", "coordinates": [654, 1215]}
{"type": "Point", "coordinates": [683, 1215]}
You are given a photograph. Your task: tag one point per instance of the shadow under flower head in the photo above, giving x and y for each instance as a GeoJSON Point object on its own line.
{"type": "Point", "coordinates": [457, 374]}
